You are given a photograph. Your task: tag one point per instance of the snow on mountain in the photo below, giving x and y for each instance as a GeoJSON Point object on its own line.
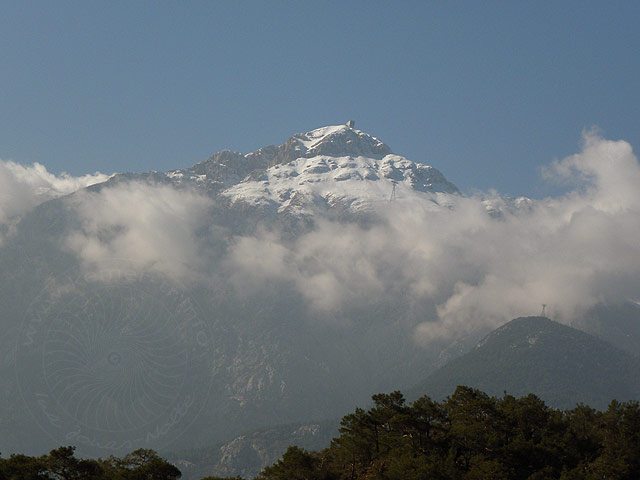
{"type": "Point", "coordinates": [338, 140]}
{"type": "Point", "coordinates": [334, 166]}
{"type": "Point", "coordinates": [355, 182]}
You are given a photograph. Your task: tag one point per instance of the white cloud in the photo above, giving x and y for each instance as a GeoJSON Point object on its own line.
{"type": "Point", "coordinates": [606, 173]}
{"type": "Point", "coordinates": [24, 187]}
{"type": "Point", "coordinates": [153, 226]}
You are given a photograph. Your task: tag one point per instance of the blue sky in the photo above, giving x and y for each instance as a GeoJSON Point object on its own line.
{"type": "Point", "coordinates": [487, 92]}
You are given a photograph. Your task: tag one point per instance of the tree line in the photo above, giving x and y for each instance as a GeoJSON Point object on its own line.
{"type": "Point", "coordinates": [468, 436]}
{"type": "Point", "coordinates": [62, 464]}
{"type": "Point", "coordinates": [472, 436]}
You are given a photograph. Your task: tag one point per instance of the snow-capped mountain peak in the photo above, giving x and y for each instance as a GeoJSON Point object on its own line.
{"type": "Point", "coordinates": [339, 140]}
{"type": "Point", "coordinates": [334, 167]}
{"type": "Point", "coordinates": [329, 167]}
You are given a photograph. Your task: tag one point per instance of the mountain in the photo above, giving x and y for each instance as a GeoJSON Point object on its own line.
{"type": "Point", "coordinates": [107, 351]}
{"type": "Point", "coordinates": [176, 309]}
{"type": "Point", "coordinates": [326, 168]}
{"type": "Point", "coordinates": [560, 364]}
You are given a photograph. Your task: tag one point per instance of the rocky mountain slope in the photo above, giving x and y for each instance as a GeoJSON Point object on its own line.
{"type": "Point", "coordinates": [247, 454]}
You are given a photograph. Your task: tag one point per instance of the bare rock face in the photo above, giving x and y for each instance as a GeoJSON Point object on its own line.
{"type": "Point", "coordinates": [246, 455]}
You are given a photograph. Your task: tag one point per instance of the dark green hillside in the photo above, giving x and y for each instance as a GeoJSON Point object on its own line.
{"type": "Point", "coordinates": [562, 365]}
{"type": "Point", "coordinates": [472, 436]}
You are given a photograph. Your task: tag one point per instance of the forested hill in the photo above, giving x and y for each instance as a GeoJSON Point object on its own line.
{"type": "Point", "coordinates": [471, 435]}
{"type": "Point", "coordinates": [560, 364]}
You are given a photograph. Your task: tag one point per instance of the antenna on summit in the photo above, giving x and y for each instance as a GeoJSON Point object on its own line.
{"type": "Point", "coordinates": [544, 308]}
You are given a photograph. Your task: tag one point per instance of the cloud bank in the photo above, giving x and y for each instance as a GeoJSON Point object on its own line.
{"type": "Point", "coordinates": [446, 271]}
